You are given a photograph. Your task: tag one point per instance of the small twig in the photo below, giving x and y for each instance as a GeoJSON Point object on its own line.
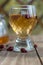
{"type": "Point", "coordinates": [38, 55]}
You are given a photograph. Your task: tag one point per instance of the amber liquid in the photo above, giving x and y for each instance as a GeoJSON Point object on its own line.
{"type": "Point", "coordinates": [4, 39]}
{"type": "Point", "coordinates": [21, 24]}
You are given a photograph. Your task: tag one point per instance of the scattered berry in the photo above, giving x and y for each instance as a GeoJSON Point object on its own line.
{"type": "Point", "coordinates": [35, 46]}
{"type": "Point", "coordinates": [23, 50]}
{"type": "Point", "coordinates": [27, 16]}
{"type": "Point", "coordinates": [36, 17]}
{"type": "Point", "coordinates": [10, 48]}
{"type": "Point", "coordinates": [1, 46]}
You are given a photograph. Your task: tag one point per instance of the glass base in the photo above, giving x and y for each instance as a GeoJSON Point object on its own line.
{"type": "Point", "coordinates": [27, 44]}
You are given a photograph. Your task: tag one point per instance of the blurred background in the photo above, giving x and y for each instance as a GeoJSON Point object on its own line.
{"type": "Point", "coordinates": [5, 6]}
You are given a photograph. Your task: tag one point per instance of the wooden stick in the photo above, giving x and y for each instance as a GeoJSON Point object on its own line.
{"type": "Point", "coordinates": [38, 55]}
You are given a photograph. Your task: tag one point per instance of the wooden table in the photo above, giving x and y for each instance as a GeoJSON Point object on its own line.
{"type": "Point", "coordinates": [11, 58]}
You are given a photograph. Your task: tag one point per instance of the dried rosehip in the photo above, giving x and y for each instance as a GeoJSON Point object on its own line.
{"type": "Point", "coordinates": [23, 50]}
{"type": "Point", "coordinates": [1, 46]}
{"type": "Point", "coordinates": [35, 46]}
{"type": "Point", "coordinates": [27, 16]}
{"type": "Point", "coordinates": [10, 48]}
{"type": "Point", "coordinates": [36, 17]}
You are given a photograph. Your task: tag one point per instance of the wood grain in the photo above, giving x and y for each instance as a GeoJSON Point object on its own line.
{"type": "Point", "coordinates": [11, 58]}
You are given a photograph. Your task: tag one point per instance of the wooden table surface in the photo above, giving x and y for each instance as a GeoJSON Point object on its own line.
{"type": "Point", "coordinates": [11, 58]}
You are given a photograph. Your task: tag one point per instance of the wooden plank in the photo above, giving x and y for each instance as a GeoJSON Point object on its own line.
{"type": "Point", "coordinates": [20, 59]}
{"type": "Point", "coordinates": [11, 58]}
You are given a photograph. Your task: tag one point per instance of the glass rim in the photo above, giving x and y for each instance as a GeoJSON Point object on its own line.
{"type": "Point", "coordinates": [21, 7]}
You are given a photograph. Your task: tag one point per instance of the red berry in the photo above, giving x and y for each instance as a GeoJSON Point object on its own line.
{"type": "Point", "coordinates": [35, 46]}
{"type": "Point", "coordinates": [36, 17]}
{"type": "Point", "coordinates": [27, 16]}
{"type": "Point", "coordinates": [23, 50]}
{"type": "Point", "coordinates": [1, 46]}
{"type": "Point", "coordinates": [10, 48]}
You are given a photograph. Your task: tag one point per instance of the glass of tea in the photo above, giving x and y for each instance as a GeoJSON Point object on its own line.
{"type": "Point", "coordinates": [4, 38]}
{"type": "Point", "coordinates": [22, 19]}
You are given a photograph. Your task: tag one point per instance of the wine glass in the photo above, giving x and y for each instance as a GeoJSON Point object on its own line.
{"type": "Point", "coordinates": [22, 19]}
